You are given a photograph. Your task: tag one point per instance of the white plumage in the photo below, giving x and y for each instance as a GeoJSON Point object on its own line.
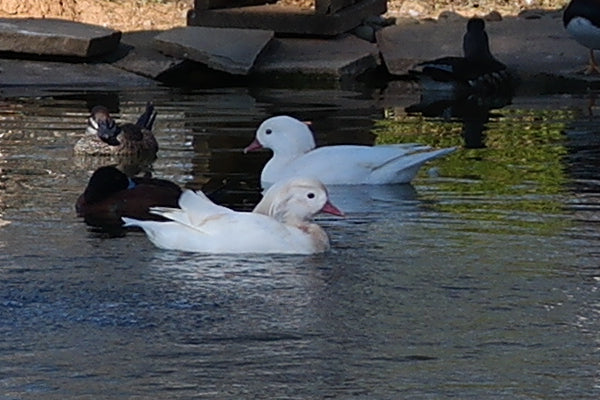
{"type": "Point", "coordinates": [294, 154]}
{"type": "Point", "coordinates": [280, 223]}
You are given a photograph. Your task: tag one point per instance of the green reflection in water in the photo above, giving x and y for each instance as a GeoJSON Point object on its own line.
{"type": "Point", "coordinates": [519, 178]}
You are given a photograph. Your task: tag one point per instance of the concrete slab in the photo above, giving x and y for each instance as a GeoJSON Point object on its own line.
{"type": "Point", "coordinates": [343, 56]}
{"type": "Point", "coordinates": [230, 50]}
{"type": "Point", "coordinates": [289, 20]}
{"type": "Point", "coordinates": [18, 73]}
{"type": "Point", "coordinates": [56, 37]}
{"type": "Point", "coordinates": [528, 46]}
{"type": "Point", "coordinates": [142, 58]}
{"type": "Point", "coordinates": [206, 4]}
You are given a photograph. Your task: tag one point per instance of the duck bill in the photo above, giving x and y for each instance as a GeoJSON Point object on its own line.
{"type": "Point", "coordinates": [331, 209]}
{"type": "Point", "coordinates": [254, 146]}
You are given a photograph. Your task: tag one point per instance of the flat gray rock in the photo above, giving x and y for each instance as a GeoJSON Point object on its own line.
{"type": "Point", "coordinates": [223, 49]}
{"type": "Point", "coordinates": [142, 57]}
{"type": "Point", "coordinates": [528, 46]}
{"type": "Point", "coordinates": [15, 73]}
{"type": "Point", "coordinates": [343, 56]}
{"type": "Point", "coordinates": [54, 37]}
{"type": "Point", "coordinates": [343, 16]}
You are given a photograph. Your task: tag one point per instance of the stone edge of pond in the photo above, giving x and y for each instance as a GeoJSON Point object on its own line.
{"type": "Point", "coordinates": [535, 46]}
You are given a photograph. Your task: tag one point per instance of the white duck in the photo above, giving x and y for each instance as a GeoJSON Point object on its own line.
{"type": "Point", "coordinates": [294, 154]}
{"type": "Point", "coordinates": [280, 223]}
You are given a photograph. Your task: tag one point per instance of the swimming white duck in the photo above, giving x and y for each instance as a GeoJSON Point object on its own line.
{"type": "Point", "coordinates": [280, 223]}
{"type": "Point", "coordinates": [294, 154]}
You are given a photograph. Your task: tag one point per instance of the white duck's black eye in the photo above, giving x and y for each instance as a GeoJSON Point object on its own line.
{"type": "Point", "coordinates": [268, 132]}
{"type": "Point", "coordinates": [311, 195]}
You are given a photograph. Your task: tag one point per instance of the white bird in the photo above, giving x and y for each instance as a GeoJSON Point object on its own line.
{"type": "Point", "coordinates": [294, 154]}
{"type": "Point", "coordinates": [581, 19]}
{"type": "Point", "coordinates": [280, 223]}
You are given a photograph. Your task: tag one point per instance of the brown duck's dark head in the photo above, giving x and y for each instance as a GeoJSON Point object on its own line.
{"type": "Point", "coordinates": [104, 126]}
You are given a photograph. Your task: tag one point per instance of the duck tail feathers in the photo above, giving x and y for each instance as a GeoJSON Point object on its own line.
{"type": "Point", "coordinates": [403, 169]}
{"type": "Point", "coordinates": [128, 222]}
{"type": "Point", "coordinates": [146, 120]}
{"type": "Point", "coordinates": [418, 159]}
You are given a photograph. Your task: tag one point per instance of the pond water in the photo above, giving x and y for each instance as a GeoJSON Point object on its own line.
{"type": "Point", "coordinates": [480, 280]}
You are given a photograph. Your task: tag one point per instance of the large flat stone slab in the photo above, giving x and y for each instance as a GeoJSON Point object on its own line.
{"type": "Point", "coordinates": [19, 73]}
{"type": "Point", "coordinates": [206, 4]}
{"type": "Point", "coordinates": [529, 46]}
{"type": "Point", "coordinates": [289, 20]}
{"type": "Point", "coordinates": [54, 37]}
{"type": "Point", "coordinates": [142, 58]}
{"type": "Point", "coordinates": [343, 56]}
{"type": "Point", "coordinates": [224, 49]}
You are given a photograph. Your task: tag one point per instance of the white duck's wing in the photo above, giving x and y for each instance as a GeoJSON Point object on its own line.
{"type": "Point", "coordinates": [351, 164]}
{"type": "Point", "coordinates": [195, 209]}
{"type": "Point", "coordinates": [169, 235]}
{"type": "Point", "coordinates": [403, 169]}
{"type": "Point", "coordinates": [198, 204]}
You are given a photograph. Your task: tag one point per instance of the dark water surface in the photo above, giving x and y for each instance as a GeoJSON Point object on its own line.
{"type": "Point", "coordinates": [479, 281]}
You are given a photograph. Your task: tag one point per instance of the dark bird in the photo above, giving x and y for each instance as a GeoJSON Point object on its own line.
{"type": "Point", "coordinates": [110, 195]}
{"type": "Point", "coordinates": [105, 137]}
{"type": "Point", "coordinates": [478, 71]}
{"type": "Point", "coordinates": [582, 20]}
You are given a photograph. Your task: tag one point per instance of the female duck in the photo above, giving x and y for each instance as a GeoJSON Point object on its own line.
{"type": "Point", "coordinates": [104, 137]}
{"type": "Point", "coordinates": [110, 195]}
{"type": "Point", "coordinates": [294, 154]}
{"type": "Point", "coordinates": [280, 223]}
{"type": "Point", "coordinates": [477, 72]}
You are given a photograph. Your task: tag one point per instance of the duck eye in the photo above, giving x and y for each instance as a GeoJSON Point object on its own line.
{"type": "Point", "coordinates": [311, 195]}
{"type": "Point", "coordinates": [268, 132]}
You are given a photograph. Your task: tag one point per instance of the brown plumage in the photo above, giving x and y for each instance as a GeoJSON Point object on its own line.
{"type": "Point", "coordinates": [105, 137]}
{"type": "Point", "coordinates": [110, 195]}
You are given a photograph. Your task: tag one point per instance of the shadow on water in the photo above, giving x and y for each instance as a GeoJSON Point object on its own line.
{"type": "Point", "coordinates": [479, 280]}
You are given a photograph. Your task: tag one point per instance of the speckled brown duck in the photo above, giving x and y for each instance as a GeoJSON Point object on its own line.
{"type": "Point", "coordinates": [104, 137]}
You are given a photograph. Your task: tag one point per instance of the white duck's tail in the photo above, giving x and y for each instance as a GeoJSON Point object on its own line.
{"type": "Point", "coordinates": [129, 222]}
{"type": "Point", "coordinates": [405, 168]}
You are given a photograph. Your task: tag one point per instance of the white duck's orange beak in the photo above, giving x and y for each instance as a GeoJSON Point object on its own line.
{"type": "Point", "coordinates": [255, 145]}
{"type": "Point", "coordinates": [331, 209]}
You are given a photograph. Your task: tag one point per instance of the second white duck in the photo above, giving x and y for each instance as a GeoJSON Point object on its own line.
{"type": "Point", "coordinates": [295, 154]}
{"type": "Point", "coordinates": [280, 223]}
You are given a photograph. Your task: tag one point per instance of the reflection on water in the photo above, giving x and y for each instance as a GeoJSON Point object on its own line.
{"type": "Point", "coordinates": [478, 281]}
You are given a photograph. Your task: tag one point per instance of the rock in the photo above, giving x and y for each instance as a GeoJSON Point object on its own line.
{"type": "Point", "coordinates": [290, 20]}
{"type": "Point", "coordinates": [493, 16]}
{"type": "Point", "coordinates": [403, 46]}
{"type": "Point", "coordinates": [224, 49]}
{"type": "Point", "coordinates": [153, 66]}
{"type": "Point", "coordinates": [18, 74]}
{"type": "Point", "coordinates": [54, 37]}
{"type": "Point", "coordinates": [450, 16]}
{"type": "Point", "coordinates": [142, 58]}
{"type": "Point", "coordinates": [528, 46]}
{"type": "Point", "coordinates": [365, 32]}
{"type": "Point", "coordinates": [344, 56]}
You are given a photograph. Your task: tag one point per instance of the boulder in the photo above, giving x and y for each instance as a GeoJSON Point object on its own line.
{"type": "Point", "coordinates": [55, 37]}
{"type": "Point", "coordinates": [230, 50]}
